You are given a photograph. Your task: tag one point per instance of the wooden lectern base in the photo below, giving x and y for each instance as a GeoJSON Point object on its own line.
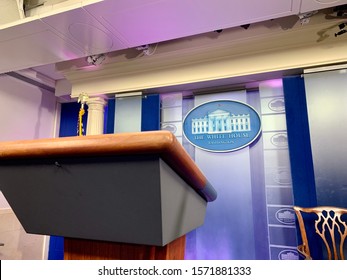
{"type": "Point", "coordinates": [80, 249]}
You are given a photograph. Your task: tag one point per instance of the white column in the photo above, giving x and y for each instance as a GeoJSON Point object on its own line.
{"type": "Point", "coordinates": [95, 122]}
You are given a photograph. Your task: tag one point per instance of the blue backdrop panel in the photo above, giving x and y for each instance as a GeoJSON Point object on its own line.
{"type": "Point", "coordinates": [150, 115]}
{"type": "Point", "coordinates": [299, 142]}
{"type": "Point", "coordinates": [69, 119]}
{"type": "Point", "coordinates": [109, 115]}
{"type": "Point", "coordinates": [304, 189]}
{"type": "Point", "coordinates": [56, 248]}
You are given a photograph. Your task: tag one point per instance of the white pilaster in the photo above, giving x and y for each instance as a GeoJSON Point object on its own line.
{"type": "Point", "coordinates": [95, 122]}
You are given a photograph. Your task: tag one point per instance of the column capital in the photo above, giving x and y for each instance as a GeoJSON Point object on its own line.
{"type": "Point", "coordinates": [97, 100]}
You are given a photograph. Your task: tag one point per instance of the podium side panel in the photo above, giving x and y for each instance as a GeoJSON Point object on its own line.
{"type": "Point", "coordinates": [182, 208]}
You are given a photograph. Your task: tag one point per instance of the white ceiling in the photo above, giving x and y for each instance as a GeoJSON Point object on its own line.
{"type": "Point", "coordinates": [71, 29]}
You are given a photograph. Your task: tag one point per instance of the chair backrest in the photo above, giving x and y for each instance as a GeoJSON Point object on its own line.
{"type": "Point", "coordinates": [329, 225]}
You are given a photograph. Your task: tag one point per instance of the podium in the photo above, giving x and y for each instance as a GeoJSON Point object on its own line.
{"type": "Point", "coordinates": [112, 196]}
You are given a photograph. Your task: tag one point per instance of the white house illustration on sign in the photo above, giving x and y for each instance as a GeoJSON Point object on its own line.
{"type": "Point", "coordinates": [220, 121]}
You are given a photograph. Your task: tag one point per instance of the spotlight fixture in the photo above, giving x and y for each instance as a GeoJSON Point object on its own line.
{"type": "Point", "coordinates": [245, 26]}
{"type": "Point", "coordinates": [342, 29]}
{"type": "Point", "coordinates": [147, 49]}
{"type": "Point", "coordinates": [96, 59]}
{"type": "Point", "coordinates": [341, 11]}
{"type": "Point", "coordinates": [305, 17]}
{"type": "Point", "coordinates": [142, 48]}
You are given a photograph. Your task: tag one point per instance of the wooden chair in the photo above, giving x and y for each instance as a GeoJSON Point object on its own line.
{"type": "Point", "coordinates": [329, 225]}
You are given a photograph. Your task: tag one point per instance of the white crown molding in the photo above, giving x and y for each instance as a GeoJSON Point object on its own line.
{"type": "Point", "coordinates": [236, 53]}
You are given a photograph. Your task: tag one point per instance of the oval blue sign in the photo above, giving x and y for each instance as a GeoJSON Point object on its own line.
{"type": "Point", "coordinates": [222, 126]}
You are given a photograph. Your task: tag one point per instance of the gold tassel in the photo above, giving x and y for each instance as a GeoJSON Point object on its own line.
{"type": "Point", "coordinates": [80, 122]}
{"type": "Point", "coordinates": [83, 98]}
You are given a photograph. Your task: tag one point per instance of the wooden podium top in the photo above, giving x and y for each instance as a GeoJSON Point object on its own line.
{"type": "Point", "coordinates": [162, 143]}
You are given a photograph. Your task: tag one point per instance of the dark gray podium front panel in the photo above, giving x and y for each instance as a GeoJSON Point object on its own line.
{"type": "Point", "coordinates": [126, 199]}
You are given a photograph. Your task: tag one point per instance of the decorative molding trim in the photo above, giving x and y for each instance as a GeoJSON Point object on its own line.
{"type": "Point", "coordinates": [236, 54]}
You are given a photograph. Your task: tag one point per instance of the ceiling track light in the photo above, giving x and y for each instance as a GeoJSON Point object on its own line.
{"type": "Point", "coordinates": [147, 50]}
{"type": "Point", "coordinates": [96, 59]}
{"type": "Point", "coordinates": [341, 11]}
{"type": "Point", "coordinates": [305, 17]}
{"type": "Point", "coordinates": [342, 29]}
